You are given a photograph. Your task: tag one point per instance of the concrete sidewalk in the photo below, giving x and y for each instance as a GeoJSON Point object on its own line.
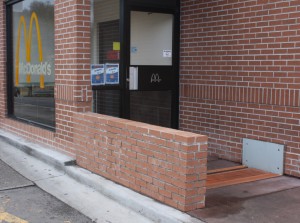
{"type": "Point", "coordinates": [21, 201]}
{"type": "Point", "coordinates": [279, 207]}
{"type": "Point", "coordinates": [92, 195]}
{"type": "Point", "coordinates": [272, 200]}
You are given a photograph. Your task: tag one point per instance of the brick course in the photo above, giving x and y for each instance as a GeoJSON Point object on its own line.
{"type": "Point", "coordinates": [72, 63]}
{"type": "Point", "coordinates": [165, 164]}
{"type": "Point", "coordinates": [240, 74]}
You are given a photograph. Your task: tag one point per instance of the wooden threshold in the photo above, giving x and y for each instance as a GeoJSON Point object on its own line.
{"type": "Point", "coordinates": [226, 169]}
{"type": "Point", "coordinates": [237, 176]}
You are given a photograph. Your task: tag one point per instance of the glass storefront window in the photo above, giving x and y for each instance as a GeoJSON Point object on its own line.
{"type": "Point", "coordinates": [106, 56]}
{"type": "Point", "coordinates": [33, 61]}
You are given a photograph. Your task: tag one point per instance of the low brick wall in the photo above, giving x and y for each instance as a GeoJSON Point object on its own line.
{"type": "Point", "coordinates": [165, 164]}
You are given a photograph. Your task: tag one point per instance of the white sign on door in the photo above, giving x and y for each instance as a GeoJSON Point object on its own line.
{"type": "Point", "coordinates": [167, 53]}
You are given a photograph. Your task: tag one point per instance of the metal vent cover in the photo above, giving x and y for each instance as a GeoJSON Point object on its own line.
{"type": "Point", "coordinates": [263, 155]}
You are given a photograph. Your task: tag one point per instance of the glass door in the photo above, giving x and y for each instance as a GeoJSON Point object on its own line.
{"type": "Point", "coordinates": [134, 67]}
{"type": "Point", "coordinates": [151, 71]}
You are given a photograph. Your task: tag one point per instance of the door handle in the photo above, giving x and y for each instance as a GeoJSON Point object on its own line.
{"type": "Point", "coordinates": [133, 78]}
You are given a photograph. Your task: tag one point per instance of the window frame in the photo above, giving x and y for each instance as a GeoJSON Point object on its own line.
{"type": "Point", "coordinates": [10, 69]}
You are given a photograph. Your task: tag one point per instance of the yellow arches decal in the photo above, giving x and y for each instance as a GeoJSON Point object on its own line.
{"type": "Point", "coordinates": [27, 43]}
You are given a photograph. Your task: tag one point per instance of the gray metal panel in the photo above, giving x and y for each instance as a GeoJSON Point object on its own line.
{"type": "Point", "coordinates": [263, 155]}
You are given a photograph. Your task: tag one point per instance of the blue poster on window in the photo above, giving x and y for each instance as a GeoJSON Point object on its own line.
{"type": "Point", "coordinates": [111, 73]}
{"type": "Point", "coordinates": [97, 74]}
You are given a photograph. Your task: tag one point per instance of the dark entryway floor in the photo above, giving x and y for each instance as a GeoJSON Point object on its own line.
{"type": "Point", "coordinates": [268, 200]}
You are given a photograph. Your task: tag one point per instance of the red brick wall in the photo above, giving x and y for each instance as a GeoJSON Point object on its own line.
{"type": "Point", "coordinates": [72, 64]}
{"type": "Point", "coordinates": [165, 164]}
{"type": "Point", "coordinates": [240, 74]}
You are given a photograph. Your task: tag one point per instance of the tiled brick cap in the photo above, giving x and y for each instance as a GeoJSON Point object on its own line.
{"type": "Point", "coordinates": [165, 164]}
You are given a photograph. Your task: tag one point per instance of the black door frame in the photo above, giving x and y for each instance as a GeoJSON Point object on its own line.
{"type": "Point", "coordinates": [158, 6]}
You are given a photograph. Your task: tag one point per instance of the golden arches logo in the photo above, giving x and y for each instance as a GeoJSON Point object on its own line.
{"type": "Point", "coordinates": [27, 44]}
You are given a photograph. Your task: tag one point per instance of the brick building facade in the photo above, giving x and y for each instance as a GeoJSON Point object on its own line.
{"type": "Point", "coordinates": [238, 79]}
{"type": "Point", "coordinates": [240, 75]}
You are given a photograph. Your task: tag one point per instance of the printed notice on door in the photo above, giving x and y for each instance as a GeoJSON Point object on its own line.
{"type": "Point", "coordinates": [167, 53]}
{"type": "Point", "coordinates": [97, 74]}
{"type": "Point", "coordinates": [112, 73]}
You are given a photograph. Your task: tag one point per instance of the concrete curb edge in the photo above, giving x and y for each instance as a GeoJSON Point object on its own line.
{"type": "Point", "coordinates": [141, 204]}
{"type": "Point", "coordinates": [49, 156]}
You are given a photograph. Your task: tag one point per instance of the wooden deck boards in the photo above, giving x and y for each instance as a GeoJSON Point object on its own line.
{"type": "Point", "coordinates": [226, 169]}
{"type": "Point", "coordinates": [236, 176]}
